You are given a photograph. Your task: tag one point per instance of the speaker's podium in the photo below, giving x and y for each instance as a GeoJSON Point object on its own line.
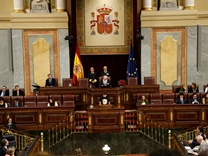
{"type": "Point", "coordinates": [106, 118]}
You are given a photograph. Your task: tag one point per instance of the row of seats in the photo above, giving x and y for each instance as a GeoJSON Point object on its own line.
{"type": "Point", "coordinates": [175, 87]}
{"type": "Point", "coordinates": [130, 81]}
{"type": "Point", "coordinates": [166, 98]}
{"type": "Point", "coordinates": [41, 101]}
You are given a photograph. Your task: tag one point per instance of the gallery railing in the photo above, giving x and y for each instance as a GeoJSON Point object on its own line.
{"type": "Point", "coordinates": [61, 130]}
{"type": "Point", "coordinates": [23, 142]}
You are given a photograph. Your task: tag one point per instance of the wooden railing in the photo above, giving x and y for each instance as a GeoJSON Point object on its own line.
{"type": "Point", "coordinates": [152, 129]}
{"type": "Point", "coordinates": [181, 138]}
{"type": "Point", "coordinates": [61, 130]}
{"type": "Point", "coordinates": [176, 143]}
{"type": "Point", "coordinates": [25, 143]}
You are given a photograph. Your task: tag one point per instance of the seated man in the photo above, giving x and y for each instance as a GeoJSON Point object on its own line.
{"type": "Point", "coordinates": [105, 82]}
{"type": "Point", "coordinates": [181, 99]}
{"type": "Point", "coordinates": [105, 72]}
{"type": "Point", "coordinates": [194, 99]}
{"type": "Point", "coordinates": [4, 91]}
{"type": "Point", "coordinates": [50, 82]}
{"type": "Point", "coordinates": [17, 103]}
{"type": "Point", "coordinates": [203, 145]}
{"type": "Point", "coordinates": [17, 91]}
{"type": "Point", "coordinates": [193, 143]}
{"type": "Point", "coordinates": [104, 99]}
{"type": "Point", "coordinates": [92, 76]}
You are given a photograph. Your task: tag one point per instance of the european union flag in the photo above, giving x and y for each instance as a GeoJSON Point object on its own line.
{"type": "Point", "coordinates": [132, 70]}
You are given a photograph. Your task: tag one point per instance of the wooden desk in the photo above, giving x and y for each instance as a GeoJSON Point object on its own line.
{"type": "Point", "coordinates": [34, 118]}
{"type": "Point", "coordinates": [85, 96]}
{"type": "Point", "coordinates": [106, 119]}
{"type": "Point", "coordinates": [176, 115]}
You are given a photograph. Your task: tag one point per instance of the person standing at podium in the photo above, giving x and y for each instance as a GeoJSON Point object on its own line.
{"type": "Point", "coordinates": [104, 99]}
{"type": "Point", "coordinates": [92, 76]}
{"type": "Point", "coordinates": [50, 82]}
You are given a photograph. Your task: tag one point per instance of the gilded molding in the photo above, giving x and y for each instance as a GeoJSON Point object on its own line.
{"type": "Point", "coordinates": [122, 120]}
{"type": "Point", "coordinates": [71, 118]}
{"type": "Point", "coordinates": [60, 10]}
{"type": "Point", "coordinates": [18, 11]}
{"type": "Point", "coordinates": [171, 116]}
{"type": "Point", "coordinates": [119, 99]}
{"type": "Point", "coordinates": [92, 100]}
{"type": "Point", "coordinates": [84, 98]}
{"type": "Point", "coordinates": [189, 7]}
{"type": "Point", "coordinates": [8, 116]}
{"type": "Point", "coordinates": [203, 115]}
{"type": "Point", "coordinates": [40, 118]}
{"type": "Point", "coordinates": [127, 97]}
{"type": "Point", "coordinates": [90, 122]}
{"type": "Point", "coordinates": [147, 9]}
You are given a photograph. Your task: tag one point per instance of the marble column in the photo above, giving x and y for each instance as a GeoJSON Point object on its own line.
{"type": "Point", "coordinates": [18, 6]}
{"type": "Point", "coordinates": [147, 4]}
{"type": "Point", "coordinates": [60, 5]}
{"type": "Point", "coordinates": [189, 4]}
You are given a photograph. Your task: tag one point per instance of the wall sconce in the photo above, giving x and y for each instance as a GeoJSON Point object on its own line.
{"type": "Point", "coordinates": [106, 149]}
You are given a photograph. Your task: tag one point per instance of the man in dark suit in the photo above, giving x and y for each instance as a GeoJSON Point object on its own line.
{"type": "Point", "coordinates": [17, 91]}
{"type": "Point", "coordinates": [194, 99]}
{"type": "Point", "coordinates": [105, 82]}
{"type": "Point", "coordinates": [50, 82]}
{"type": "Point", "coordinates": [193, 143]}
{"type": "Point", "coordinates": [181, 99]}
{"type": "Point", "coordinates": [92, 77]}
{"type": "Point", "coordinates": [4, 145]}
{"type": "Point", "coordinates": [4, 91]}
{"type": "Point", "coordinates": [17, 103]}
{"type": "Point", "coordinates": [105, 72]}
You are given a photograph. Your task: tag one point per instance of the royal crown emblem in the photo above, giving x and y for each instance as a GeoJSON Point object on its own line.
{"type": "Point", "coordinates": [105, 22]}
{"type": "Point", "coordinates": [104, 10]}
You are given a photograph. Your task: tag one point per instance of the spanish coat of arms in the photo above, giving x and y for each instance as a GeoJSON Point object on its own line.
{"type": "Point", "coordinates": [105, 22]}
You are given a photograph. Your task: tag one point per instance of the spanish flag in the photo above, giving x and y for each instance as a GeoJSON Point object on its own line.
{"type": "Point", "coordinates": [78, 71]}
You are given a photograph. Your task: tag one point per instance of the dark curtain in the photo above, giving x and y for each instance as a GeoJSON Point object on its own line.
{"type": "Point", "coordinates": [116, 64]}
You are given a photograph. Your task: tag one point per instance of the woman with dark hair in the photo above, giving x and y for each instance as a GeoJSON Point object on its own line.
{"type": "Point", "coordinates": [143, 100]}
{"type": "Point", "coordinates": [193, 88]}
{"type": "Point", "coordinates": [10, 124]}
{"type": "Point", "coordinates": [2, 102]}
{"type": "Point", "coordinates": [52, 102]}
